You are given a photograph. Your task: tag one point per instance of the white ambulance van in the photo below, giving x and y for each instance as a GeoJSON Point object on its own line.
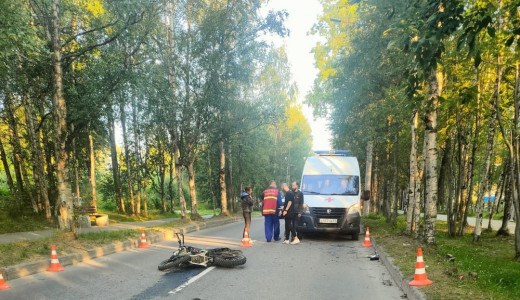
{"type": "Point", "coordinates": [331, 188]}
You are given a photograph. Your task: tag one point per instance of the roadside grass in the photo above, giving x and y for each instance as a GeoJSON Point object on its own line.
{"type": "Point", "coordinates": [485, 215]}
{"type": "Point", "coordinates": [115, 217]}
{"type": "Point", "coordinates": [9, 224]}
{"type": "Point", "coordinates": [208, 211]}
{"type": "Point", "coordinates": [483, 270]}
{"type": "Point", "coordinates": [32, 250]}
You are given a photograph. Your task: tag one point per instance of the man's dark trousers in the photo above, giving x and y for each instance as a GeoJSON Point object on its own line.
{"type": "Point", "coordinates": [290, 229]}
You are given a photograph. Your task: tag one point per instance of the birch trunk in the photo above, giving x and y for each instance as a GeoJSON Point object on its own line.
{"type": "Point", "coordinates": [19, 161]}
{"type": "Point", "coordinates": [12, 134]}
{"type": "Point", "coordinates": [37, 159]}
{"type": "Point", "coordinates": [230, 174]}
{"type": "Point", "coordinates": [222, 179]}
{"type": "Point", "coordinates": [138, 164]}
{"type": "Point", "coordinates": [516, 155]}
{"type": "Point", "coordinates": [161, 174]}
{"type": "Point", "coordinates": [453, 188]}
{"type": "Point", "coordinates": [374, 195]}
{"type": "Point", "coordinates": [413, 189]}
{"type": "Point", "coordinates": [170, 184]}
{"type": "Point", "coordinates": [504, 230]}
{"type": "Point", "coordinates": [127, 157]}
{"type": "Point", "coordinates": [430, 208]}
{"type": "Point", "coordinates": [210, 184]}
{"type": "Point", "coordinates": [64, 202]}
{"type": "Point", "coordinates": [485, 177]}
{"type": "Point", "coordinates": [92, 171]}
{"type": "Point", "coordinates": [193, 193]}
{"type": "Point", "coordinates": [498, 195]}
{"type": "Point", "coordinates": [178, 174]}
{"type": "Point", "coordinates": [8, 175]}
{"type": "Point", "coordinates": [509, 140]}
{"type": "Point", "coordinates": [395, 191]}
{"type": "Point", "coordinates": [115, 164]}
{"type": "Point", "coordinates": [75, 164]}
{"type": "Point", "coordinates": [368, 178]}
{"type": "Point", "coordinates": [48, 153]}
{"type": "Point", "coordinates": [419, 191]}
{"type": "Point", "coordinates": [471, 172]}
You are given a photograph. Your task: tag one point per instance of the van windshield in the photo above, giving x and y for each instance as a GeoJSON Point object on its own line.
{"type": "Point", "coordinates": [330, 185]}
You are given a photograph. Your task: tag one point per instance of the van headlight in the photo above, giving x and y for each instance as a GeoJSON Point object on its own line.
{"type": "Point", "coordinates": [354, 209]}
{"type": "Point", "coordinates": [306, 209]}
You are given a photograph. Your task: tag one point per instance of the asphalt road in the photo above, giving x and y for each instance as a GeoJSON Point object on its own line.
{"type": "Point", "coordinates": [319, 268]}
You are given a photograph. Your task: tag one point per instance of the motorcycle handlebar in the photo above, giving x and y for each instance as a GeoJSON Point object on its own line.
{"type": "Point", "coordinates": [179, 238]}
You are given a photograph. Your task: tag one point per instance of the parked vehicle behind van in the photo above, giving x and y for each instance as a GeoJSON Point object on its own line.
{"type": "Point", "coordinates": [331, 187]}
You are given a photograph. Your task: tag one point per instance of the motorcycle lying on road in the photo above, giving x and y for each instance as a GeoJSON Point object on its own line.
{"type": "Point", "coordinates": [186, 256]}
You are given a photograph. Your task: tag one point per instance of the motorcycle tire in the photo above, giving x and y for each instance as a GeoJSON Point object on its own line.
{"type": "Point", "coordinates": [174, 262]}
{"type": "Point", "coordinates": [229, 260]}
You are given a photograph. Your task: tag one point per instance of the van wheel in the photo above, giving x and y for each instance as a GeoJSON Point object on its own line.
{"type": "Point", "coordinates": [355, 237]}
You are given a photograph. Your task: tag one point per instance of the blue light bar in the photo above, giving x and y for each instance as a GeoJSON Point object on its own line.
{"type": "Point", "coordinates": [333, 152]}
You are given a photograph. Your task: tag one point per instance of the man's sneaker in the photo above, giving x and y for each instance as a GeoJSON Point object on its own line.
{"type": "Point", "coordinates": [286, 242]}
{"type": "Point", "coordinates": [295, 241]}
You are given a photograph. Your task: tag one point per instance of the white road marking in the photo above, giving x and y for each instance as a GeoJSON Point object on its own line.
{"type": "Point", "coordinates": [191, 280]}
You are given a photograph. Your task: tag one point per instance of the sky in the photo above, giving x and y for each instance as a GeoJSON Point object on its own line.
{"type": "Point", "coordinates": [302, 16]}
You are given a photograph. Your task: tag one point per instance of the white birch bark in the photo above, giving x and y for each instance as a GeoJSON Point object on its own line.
{"type": "Point", "coordinates": [368, 178]}
{"type": "Point", "coordinates": [413, 184]}
{"type": "Point", "coordinates": [430, 207]}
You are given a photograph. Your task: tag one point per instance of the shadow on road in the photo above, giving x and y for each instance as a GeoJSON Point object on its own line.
{"type": "Point", "coordinates": [328, 237]}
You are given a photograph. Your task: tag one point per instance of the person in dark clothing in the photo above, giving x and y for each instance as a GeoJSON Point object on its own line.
{"type": "Point", "coordinates": [247, 208]}
{"type": "Point", "coordinates": [298, 209]}
{"type": "Point", "coordinates": [288, 213]}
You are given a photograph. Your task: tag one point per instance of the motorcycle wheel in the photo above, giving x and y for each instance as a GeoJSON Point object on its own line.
{"type": "Point", "coordinates": [173, 262]}
{"type": "Point", "coordinates": [229, 260]}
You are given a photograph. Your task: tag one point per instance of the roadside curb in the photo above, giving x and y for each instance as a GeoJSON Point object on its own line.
{"type": "Point", "coordinates": [30, 268]}
{"type": "Point", "coordinates": [411, 292]}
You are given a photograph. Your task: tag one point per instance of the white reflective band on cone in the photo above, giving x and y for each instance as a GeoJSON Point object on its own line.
{"type": "Point", "coordinates": [420, 271]}
{"type": "Point", "coordinates": [420, 259]}
{"type": "Point", "coordinates": [55, 261]}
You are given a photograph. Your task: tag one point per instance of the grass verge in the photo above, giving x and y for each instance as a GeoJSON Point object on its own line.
{"type": "Point", "coordinates": [22, 223]}
{"type": "Point", "coordinates": [483, 270]}
{"type": "Point", "coordinates": [33, 250]}
{"type": "Point", "coordinates": [115, 217]}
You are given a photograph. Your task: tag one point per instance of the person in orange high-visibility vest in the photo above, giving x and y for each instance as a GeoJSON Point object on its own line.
{"type": "Point", "coordinates": [272, 201]}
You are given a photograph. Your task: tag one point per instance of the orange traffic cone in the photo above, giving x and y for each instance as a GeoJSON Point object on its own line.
{"type": "Point", "coordinates": [246, 241]}
{"type": "Point", "coordinates": [3, 285]}
{"type": "Point", "coordinates": [55, 263]}
{"type": "Point", "coordinates": [420, 278]}
{"type": "Point", "coordinates": [367, 242]}
{"type": "Point", "coordinates": [143, 244]}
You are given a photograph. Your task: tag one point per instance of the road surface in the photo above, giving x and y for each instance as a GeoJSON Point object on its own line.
{"type": "Point", "coordinates": [319, 268]}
